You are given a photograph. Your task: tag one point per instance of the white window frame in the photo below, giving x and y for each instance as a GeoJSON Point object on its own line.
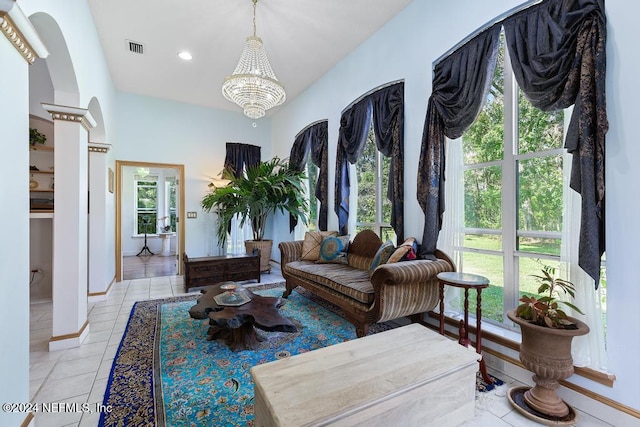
{"type": "Point", "coordinates": [168, 210]}
{"type": "Point", "coordinates": [509, 201]}
{"type": "Point", "coordinates": [153, 226]}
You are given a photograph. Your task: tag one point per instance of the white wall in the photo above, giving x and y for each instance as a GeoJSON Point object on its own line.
{"type": "Point", "coordinates": [40, 89]}
{"type": "Point", "coordinates": [623, 200]}
{"type": "Point", "coordinates": [160, 131]}
{"type": "Point", "coordinates": [405, 49]}
{"type": "Point", "coordinates": [41, 259]}
{"type": "Point", "coordinates": [14, 213]}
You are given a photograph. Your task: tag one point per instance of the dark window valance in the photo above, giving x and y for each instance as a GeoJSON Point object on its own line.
{"type": "Point", "coordinates": [460, 85]}
{"type": "Point", "coordinates": [557, 51]}
{"type": "Point", "coordinates": [241, 156]}
{"type": "Point", "coordinates": [386, 108]}
{"type": "Point", "coordinates": [558, 56]}
{"type": "Point", "coordinates": [314, 140]}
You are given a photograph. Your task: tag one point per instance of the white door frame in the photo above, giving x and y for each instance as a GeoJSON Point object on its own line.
{"type": "Point", "coordinates": [120, 164]}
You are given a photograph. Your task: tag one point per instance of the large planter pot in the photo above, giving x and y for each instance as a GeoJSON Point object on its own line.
{"type": "Point", "coordinates": [264, 246]}
{"type": "Point", "coordinates": [547, 353]}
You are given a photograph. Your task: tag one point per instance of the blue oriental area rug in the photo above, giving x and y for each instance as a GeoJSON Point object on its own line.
{"type": "Point", "coordinates": [166, 372]}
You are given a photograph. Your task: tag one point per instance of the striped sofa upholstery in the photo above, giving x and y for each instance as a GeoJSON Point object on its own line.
{"type": "Point", "coordinates": [394, 290]}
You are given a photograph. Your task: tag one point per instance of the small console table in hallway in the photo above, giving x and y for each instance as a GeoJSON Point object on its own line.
{"type": "Point", "coordinates": [466, 281]}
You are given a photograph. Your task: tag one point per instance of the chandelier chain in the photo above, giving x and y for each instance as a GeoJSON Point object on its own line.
{"type": "Point", "coordinates": [255, 2]}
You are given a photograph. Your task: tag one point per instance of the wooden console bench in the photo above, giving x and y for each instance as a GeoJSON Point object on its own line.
{"type": "Point", "coordinates": [408, 376]}
{"type": "Point", "coordinates": [206, 271]}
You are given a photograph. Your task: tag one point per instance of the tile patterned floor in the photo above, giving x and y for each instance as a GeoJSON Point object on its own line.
{"type": "Point", "coordinates": [80, 374]}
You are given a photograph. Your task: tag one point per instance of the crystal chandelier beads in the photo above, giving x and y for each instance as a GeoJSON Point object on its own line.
{"type": "Point", "coordinates": [253, 84]}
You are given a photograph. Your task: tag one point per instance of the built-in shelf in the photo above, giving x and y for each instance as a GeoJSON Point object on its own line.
{"type": "Point", "coordinates": [41, 148]}
{"type": "Point", "coordinates": [41, 214]}
{"type": "Point", "coordinates": [41, 181]}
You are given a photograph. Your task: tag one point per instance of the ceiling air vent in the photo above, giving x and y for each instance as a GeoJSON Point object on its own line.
{"type": "Point", "coordinates": [135, 47]}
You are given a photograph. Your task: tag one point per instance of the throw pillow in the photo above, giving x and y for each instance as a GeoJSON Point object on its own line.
{"type": "Point", "coordinates": [312, 242]}
{"type": "Point", "coordinates": [334, 250]}
{"type": "Point", "coordinates": [381, 257]}
{"type": "Point", "coordinates": [403, 250]}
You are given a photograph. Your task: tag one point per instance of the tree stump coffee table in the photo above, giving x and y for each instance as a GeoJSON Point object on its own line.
{"type": "Point", "coordinates": [236, 324]}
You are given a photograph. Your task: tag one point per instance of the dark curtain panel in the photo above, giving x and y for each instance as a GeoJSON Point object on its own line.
{"type": "Point", "coordinates": [240, 156]}
{"type": "Point", "coordinates": [557, 51]}
{"type": "Point", "coordinates": [388, 125]}
{"type": "Point", "coordinates": [460, 86]}
{"type": "Point", "coordinates": [299, 152]}
{"type": "Point", "coordinates": [313, 139]}
{"type": "Point", "coordinates": [320, 158]}
{"type": "Point", "coordinates": [354, 126]}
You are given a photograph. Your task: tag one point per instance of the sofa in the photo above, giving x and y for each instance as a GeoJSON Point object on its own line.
{"type": "Point", "coordinates": [366, 295]}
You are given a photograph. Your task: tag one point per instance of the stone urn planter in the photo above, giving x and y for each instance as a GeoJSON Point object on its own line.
{"type": "Point", "coordinates": [547, 353]}
{"type": "Point", "coordinates": [264, 246]}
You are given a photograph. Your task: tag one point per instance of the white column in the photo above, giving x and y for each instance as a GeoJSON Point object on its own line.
{"type": "Point", "coordinates": [70, 324]}
{"type": "Point", "coordinates": [19, 46]}
{"type": "Point", "coordinates": [99, 187]}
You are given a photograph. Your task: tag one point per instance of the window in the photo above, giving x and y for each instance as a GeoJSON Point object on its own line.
{"type": "Point", "coordinates": [146, 197]}
{"type": "Point", "coordinates": [314, 203]}
{"type": "Point", "coordinates": [170, 203]}
{"type": "Point", "coordinates": [372, 177]}
{"type": "Point", "coordinates": [155, 203]}
{"type": "Point", "coordinates": [513, 181]}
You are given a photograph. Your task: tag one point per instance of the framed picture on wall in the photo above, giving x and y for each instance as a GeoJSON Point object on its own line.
{"type": "Point", "coordinates": [111, 180]}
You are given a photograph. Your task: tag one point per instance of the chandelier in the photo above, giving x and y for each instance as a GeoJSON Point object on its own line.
{"type": "Point", "coordinates": [253, 85]}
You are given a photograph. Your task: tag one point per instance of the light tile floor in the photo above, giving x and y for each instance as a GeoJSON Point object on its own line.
{"type": "Point", "coordinates": [80, 375]}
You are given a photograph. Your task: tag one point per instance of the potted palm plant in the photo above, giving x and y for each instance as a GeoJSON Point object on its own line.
{"type": "Point", "coordinates": [269, 187]}
{"type": "Point", "coordinates": [547, 333]}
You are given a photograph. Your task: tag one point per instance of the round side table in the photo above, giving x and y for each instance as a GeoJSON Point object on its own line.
{"type": "Point", "coordinates": [466, 281]}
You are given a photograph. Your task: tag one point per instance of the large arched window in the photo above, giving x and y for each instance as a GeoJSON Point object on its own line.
{"type": "Point", "coordinates": [382, 110]}
{"type": "Point", "coordinates": [515, 209]}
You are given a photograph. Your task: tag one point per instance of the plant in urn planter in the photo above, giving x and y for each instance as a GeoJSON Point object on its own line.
{"type": "Point", "coordinates": [547, 333]}
{"type": "Point", "coordinates": [264, 189]}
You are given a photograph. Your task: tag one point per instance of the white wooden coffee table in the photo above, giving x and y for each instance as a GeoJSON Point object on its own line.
{"type": "Point", "coordinates": [405, 376]}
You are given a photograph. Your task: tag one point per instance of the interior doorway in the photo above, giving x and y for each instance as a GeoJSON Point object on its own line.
{"type": "Point", "coordinates": [149, 219]}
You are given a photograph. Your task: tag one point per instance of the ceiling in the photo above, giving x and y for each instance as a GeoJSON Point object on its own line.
{"type": "Point", "coordinates": [303, 40]}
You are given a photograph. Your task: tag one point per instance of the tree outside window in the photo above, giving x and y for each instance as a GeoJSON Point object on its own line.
{"type": "Point", "coordinates": [373, 207]}
{"type": "Point", "coordinates": [170, 204]}
{"type": "Point", "coordinates": [146, 205]}
{"type": "Point", "coordinates": [155, 202]}
{"type": "Point", "coordinates": [312, 178]}
{"type": "Point", "coordinates": [513, 193]}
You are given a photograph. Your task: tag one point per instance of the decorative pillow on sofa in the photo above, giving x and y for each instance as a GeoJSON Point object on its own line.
{"type": "Point", "coordinates": [334, 250]}
{"type": "Point", "coordinates": [381, 256]}
{"type": "Point", "coordinates": [312, 242]}
{"type": "Point", "coordinates": [403, 251]}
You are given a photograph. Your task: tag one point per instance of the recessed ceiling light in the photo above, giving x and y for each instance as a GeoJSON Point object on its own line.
{"type": "Point", "coordinates": [185, 55]}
